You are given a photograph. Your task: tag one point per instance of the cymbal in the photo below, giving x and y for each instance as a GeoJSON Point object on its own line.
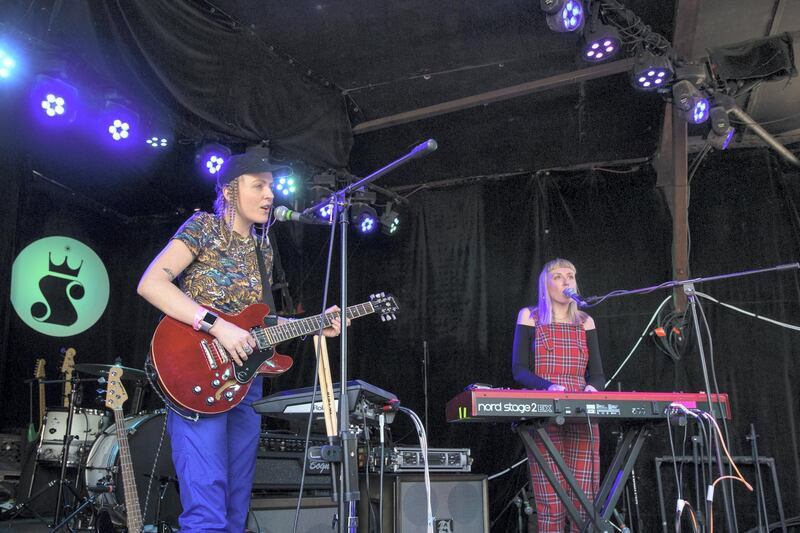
{"type": "Point", "coordinates": [130, 374]}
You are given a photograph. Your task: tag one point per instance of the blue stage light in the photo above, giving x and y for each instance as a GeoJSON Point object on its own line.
{"type": "Point", "coordinates": [120, 124]}
{"type": "Point", "coordinates": [700, 111]}
{"type": "Point", "coordinates": [325, 211]}
{"type": "Point", "coordinates": [364, 218]}
{"type": "Point", "coordinates": [210, 158]}
{"type": "Point", "coordinates": [651, 71]}
{"type": "Point", "coordinates": [7, 64]}
{"type": "Point", "coordinates": [53, 100]}
{"type": "Point", "coordinates": [157, 142]}
{"type": "Point", "coordinates": [569, 17]}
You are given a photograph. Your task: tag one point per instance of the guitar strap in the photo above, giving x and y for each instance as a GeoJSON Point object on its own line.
{"type": "Point", "coordinates": [266, 290]}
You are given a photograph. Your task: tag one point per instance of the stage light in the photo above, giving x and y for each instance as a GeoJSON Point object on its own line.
{"type": "Point", "coordinates": [364, 218]}
{"type": "Point", "coordinates": [157, 141]}
{"type": "Point", "coordinates": [720, 142]}
{"type": "Point", "coordinates": [390, 221]}
{"type": "Point", "coordinates": [720, 122]}
{"type": "Point", "coordinates": [210, 158]}
{"type": "Point", "coordinates": [325, 211]}
{"type": "Point", "coordinates": [693, 105]}
{"type": "Point", "coordinates": [601, 45]}
{"type": "Point", "coordinates": [600, 42]}
{"type": "Point", "coordinates": [54, 100]}
{"type": "Point", "coordinates": [285, 186]}
{"type": "Point", "coordinates": [119, 123]}
{"type": "Point", "coordinates": [721, 132]}
{"type": "Point", "coordinates": [651, 71]}
{"type": "Point", "coordinates": [563, 15]}
{"type": "Point", "coordinates": [7, 64]}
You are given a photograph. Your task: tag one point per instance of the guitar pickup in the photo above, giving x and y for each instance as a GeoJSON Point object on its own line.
{"type": "Point", "coordinates": [223, 355]}
{"type": "Point", "coordinates": [212, 362]}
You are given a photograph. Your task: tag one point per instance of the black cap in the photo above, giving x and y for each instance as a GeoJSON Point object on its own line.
{"type": "Point", "coordinates": [253, 161]}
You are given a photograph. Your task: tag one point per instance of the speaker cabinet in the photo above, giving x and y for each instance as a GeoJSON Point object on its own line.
{"type": "Point", "coordinates": [276, 515]}
{"type": "Point", "coordinates": [459, 503]}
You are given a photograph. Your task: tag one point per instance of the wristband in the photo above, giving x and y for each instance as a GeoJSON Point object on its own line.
{"type": "Point", "coordinates": [204, 320]}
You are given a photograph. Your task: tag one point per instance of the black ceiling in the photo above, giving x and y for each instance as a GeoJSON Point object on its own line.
{"type": "Point", "coordinates": [393, 57]}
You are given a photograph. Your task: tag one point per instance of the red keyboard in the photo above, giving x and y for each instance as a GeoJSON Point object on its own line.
{"type": "Point", "coordinates": [508, 405]}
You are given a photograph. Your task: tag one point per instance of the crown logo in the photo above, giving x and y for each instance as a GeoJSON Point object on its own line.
{"type": "Point", "coordinates": [63, 268]}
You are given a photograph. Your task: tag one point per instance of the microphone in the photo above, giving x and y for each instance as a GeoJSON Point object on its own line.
{"type": "Point", "coordinates": [284, 214]}
{"type": "Point", "coordinates": [424, 149]}
{"type": "Point", "coordinates": [572, 293]}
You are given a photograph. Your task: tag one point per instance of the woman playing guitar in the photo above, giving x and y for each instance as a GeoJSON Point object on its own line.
{"type": "Point", "coordinates": [213, 259]}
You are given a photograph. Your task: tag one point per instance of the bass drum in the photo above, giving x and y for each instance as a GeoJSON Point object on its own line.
{"type": "Point", "coordinates": [103, 469]}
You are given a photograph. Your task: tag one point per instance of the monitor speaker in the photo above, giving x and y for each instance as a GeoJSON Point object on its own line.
{"type": "Point", "coordinates": [276, 515]}
{"type": "Point", "coordinates": [459, 503]}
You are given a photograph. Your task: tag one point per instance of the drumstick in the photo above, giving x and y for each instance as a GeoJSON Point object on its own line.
{"type": "Point", "coordinates": [325, 386]}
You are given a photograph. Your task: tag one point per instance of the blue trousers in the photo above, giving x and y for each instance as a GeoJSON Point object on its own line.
{"type": "Point", "coordinates": [215, 458]}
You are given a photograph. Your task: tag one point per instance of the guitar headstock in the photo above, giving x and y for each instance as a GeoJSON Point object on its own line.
{"type": "Point", "coordinates": [116, 395]}
{"type": "Point", "coordinates": [38, 372]}
{"type": "Point", "coordinates": [385, 305]}
{"type": "Point", "coordinates": [69, 362]}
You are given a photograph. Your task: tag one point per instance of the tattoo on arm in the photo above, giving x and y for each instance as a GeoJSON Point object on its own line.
{"type": "Point", "coordinates": [169, 273]}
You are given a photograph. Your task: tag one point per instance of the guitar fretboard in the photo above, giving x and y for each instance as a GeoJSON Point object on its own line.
{"type": "Point", "coordinates": [133, 512]}
{"type": "Point", "coordinates": [304, 326]}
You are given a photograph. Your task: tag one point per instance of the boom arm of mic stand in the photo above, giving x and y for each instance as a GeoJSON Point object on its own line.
{"type": "Point", "coordinates": [421, 150]}
{"type": "Point", "coordinates": [594, 300]}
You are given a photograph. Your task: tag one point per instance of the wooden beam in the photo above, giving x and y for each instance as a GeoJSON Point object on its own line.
{"type": "Point", "coordinates": [498, 95]}
{"type": "Point", "coordinates": [672, 164]}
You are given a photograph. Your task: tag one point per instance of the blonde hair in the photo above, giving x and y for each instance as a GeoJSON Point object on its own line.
{"type": "Point", "coordinates": [544, 310]}
{"type": "Point", "coordinates": [226, 211]}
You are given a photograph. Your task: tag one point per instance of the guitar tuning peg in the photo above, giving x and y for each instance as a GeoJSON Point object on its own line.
{"type": "Point", "coordinates": [383, 295]}
{"type": "Point", "coordinates": [393, 316]}
{"type": "Point", "coordinates": [101, 380]}
{"type": "Point", "coordinates": [383, 318]}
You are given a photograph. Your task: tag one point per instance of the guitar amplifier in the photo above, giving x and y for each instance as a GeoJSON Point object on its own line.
{"type": "Point", "coordinates": [411, 459]}
{"type": "Point", "coordinates": [279, 464]}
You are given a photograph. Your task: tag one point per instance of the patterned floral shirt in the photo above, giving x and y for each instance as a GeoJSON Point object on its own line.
{"type": "Point", "coordinates": [224, 274]}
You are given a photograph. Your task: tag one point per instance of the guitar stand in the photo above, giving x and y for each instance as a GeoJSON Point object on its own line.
{"type": "Point", "coordinates": [67, 519]}
{"type": "Point", "coordinates": [62, 481]}
{"type": "Point", "coordinates": [612, 486]}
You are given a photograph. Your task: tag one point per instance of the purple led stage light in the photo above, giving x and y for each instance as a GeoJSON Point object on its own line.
{"type": "Point", "coordinates": [53, 101]}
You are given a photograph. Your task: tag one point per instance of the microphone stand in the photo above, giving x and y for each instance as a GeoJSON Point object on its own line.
{"type": "Point", "coordinates": [348, 481]}
{"type": "Point", "coordinates": [689, 289]}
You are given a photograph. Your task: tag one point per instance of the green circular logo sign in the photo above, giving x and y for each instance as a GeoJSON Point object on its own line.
{"type": "Point", "coordinates": [59, 286]}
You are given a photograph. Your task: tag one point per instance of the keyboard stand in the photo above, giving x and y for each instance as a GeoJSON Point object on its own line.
{"type": "Point", "coordinates": [613, 483]}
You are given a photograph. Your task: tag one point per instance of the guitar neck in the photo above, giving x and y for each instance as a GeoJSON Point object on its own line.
{"type": "Point", "coordinates": [305, 326]}
{"type": "Point", "coordinates": [42, 404]}
{"type": "Point", "coordinates": [132, 508]}
{"type": "Point", "coordinates": [67, 388]}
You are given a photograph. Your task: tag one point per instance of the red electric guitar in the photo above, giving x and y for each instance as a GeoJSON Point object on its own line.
{"type": "Point", "coordinates": [196, 372]}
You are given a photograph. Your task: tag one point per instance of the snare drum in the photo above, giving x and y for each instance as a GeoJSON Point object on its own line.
{"type": "Point", "coordinates": [103, 469]}
{"type": "Point", "coordinates": [87, 424]}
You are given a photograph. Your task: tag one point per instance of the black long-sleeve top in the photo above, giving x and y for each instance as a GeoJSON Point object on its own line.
{"type": "Point", "coordinates": [524, 337]}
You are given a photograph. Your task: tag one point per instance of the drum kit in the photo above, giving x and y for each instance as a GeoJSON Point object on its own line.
{"type": "Point", "coordinates": [82, 444]}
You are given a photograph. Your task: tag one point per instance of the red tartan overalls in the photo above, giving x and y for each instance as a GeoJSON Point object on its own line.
{"type": "Point", "coordinates": [561, 356]}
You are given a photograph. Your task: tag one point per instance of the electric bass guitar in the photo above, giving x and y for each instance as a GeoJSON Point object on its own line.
{"type": "Point", "coordinates": [38, 374]}
{"type": "Point", "coordinates": [115, 398]}
{"type": "Point", "coordinates": [196, 372]}
{"type": "Point", "coordinates": [67, 367]}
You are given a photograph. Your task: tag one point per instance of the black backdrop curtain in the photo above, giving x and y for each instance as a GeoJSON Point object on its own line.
{"type": "Point", "coordinates": [464, 263]}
